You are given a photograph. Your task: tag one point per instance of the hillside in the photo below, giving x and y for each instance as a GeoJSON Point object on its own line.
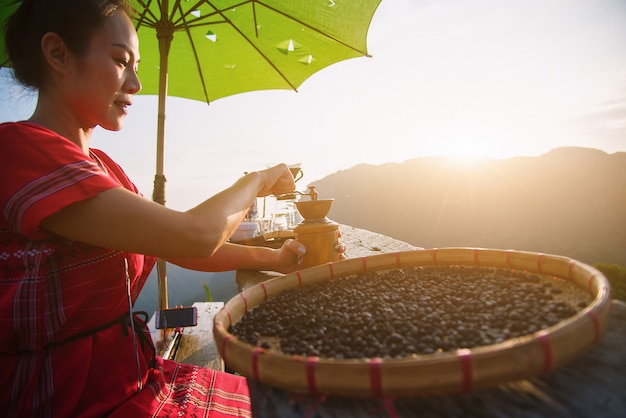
{"type": "Point", "coordinates": [570, 201]}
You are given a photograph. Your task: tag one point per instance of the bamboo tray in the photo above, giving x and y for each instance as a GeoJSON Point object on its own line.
{"type": "Point", "coordinates": [443, 373]}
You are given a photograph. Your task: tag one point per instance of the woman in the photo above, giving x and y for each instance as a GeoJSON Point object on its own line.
{"type": "Point", "coordinates": [77, 241]}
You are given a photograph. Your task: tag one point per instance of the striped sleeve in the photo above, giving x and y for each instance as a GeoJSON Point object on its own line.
{"type": "Point", "coordinates": [47, 172]}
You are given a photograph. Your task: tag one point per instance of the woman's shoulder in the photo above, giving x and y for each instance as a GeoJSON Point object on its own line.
{"type": "Point", "coordinates": [24, 129]}
{"type": "Point", "coordinates": [20, 125]}
{"type": "Point", "coordinates": [25, 137]}
{"type": "Point", "coordinates": [13, 126]}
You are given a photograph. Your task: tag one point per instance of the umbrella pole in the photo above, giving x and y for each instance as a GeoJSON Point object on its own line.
{"type": "Point", "coordinates": [165, 33]}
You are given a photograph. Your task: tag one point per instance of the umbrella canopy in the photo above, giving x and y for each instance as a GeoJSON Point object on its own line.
{"type": "Point", "coordinates": [224, 47]}
{"type": "Point", "coordinates": [209, 49]}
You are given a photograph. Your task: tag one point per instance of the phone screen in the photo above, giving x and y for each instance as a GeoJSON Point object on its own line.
{"type": "Point", "coordinates": [177, 317]}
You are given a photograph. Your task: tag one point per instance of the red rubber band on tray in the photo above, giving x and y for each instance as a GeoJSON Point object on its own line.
{"type": "Point", "coordinates": [434, 256]}
{"type": "Point", "coordinates": [570, 269]}
{"type": "Point", "coordinates": [230, 318]}
{"type": "Point", "coordinates": [539, 258]}
{"type": "Point", "coordinates": [376, 383]}
{"type": "Point", "coordinates": [398, 259]}
{"type": "Point", "coordinates": [310, 374]}
{"type": "Point", "coordinates": [476, 261]}
{"type": "Point", "coordinates": [388, 402]}
{"type": "Point", "coordinates": [330, 268]}
{"type": "Point", "coordinates": [245, 301]}
{"type": "Point", "coordinates": [299, 278]}
{"type": "Point", "coordinates": [255, 362]}
{"type": "Point", "coordinates": [544, 339]}
{"type": "Point", "coordinates": [590, 283]}
{"type": "Point", "coordinates": [508, 258]}
{"type": "Point", "coordinates": [264, 291]}
{"type": "Point", "coordinates": [364, 263]}
{"type": "Point", "coordinates": [465, 357]}
{"type": "Point", "coordinates": [596, 325]}
{"type": "Point", "coordinates": [227, 338]}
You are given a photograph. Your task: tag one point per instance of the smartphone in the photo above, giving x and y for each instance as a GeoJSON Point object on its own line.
{"type": "Point", "coordinates": [177, 317]}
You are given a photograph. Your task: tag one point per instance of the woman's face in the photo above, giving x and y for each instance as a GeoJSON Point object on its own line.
{"type": "Point", "coordinates": [101, 83]}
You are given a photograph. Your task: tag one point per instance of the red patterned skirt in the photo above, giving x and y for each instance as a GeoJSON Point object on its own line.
{"type": "Point", "coordinates": [189, 391]}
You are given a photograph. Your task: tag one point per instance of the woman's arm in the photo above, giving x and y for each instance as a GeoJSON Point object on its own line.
{"type": "Point", "coordinates": [121, 220]}
{"type": "Point", "coordinates": [241, 257]}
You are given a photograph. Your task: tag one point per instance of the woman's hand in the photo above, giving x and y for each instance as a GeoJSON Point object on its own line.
{"type": "Point", "coordinates": [341, 248]}
{"type": "Point", "coordinates": [289, 256]}
{"type": "Point", "coordinates": [276, 180]}
{"type": "Point", "coordinates": [291, 252]}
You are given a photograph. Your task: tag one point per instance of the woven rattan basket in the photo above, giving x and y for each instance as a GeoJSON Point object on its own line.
{"type": "Point", "coordinates": [442, 373]}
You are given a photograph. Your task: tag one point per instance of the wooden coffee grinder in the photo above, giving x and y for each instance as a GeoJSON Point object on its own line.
{"type": "Point", "coordinates": [316, 232]}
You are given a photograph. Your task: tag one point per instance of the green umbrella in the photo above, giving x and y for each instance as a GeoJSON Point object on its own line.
{"type": "Point", "coordinates": [209, 49]}
{"type": "Point", "coordinates": [205, 50]}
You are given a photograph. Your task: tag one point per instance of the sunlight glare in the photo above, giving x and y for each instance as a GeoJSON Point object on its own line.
{"type": "Point", "coordinates": [468, 152]}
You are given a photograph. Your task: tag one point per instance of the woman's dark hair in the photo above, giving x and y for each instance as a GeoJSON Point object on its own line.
{"type": "Point", "coordinates": [74, 21]}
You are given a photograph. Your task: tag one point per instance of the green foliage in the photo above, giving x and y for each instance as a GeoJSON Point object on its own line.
{"type": "Point", "coordinates": [616, 276]}
{"type": "Point", "coordinates": [209, 298]}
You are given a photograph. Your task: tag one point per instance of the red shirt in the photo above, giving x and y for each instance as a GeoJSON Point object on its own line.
{"type": "Point", "coordinates": [59, 357]}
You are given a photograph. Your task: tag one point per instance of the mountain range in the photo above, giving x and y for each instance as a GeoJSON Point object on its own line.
{"type": "Point", "coordinates": [570, 201]}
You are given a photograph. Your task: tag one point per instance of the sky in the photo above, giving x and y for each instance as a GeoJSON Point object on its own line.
{"type": "Point", "coordinates": [480, 78]}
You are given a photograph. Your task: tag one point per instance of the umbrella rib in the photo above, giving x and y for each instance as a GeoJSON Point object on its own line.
{"type": "Point", "coordinates": [256, 24]}
{"type": "Point", "coordinates": [195, 54]}
{"type": "Point", "coordinates": [143, 15]}
{"type": "Point", "coordinates": [176, 6]}
{"type": "Point", "coordinates": [364, 53]}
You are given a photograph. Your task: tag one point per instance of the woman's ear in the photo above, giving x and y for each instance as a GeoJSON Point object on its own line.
{"type": "Point", "coordinates": [55, 51]}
